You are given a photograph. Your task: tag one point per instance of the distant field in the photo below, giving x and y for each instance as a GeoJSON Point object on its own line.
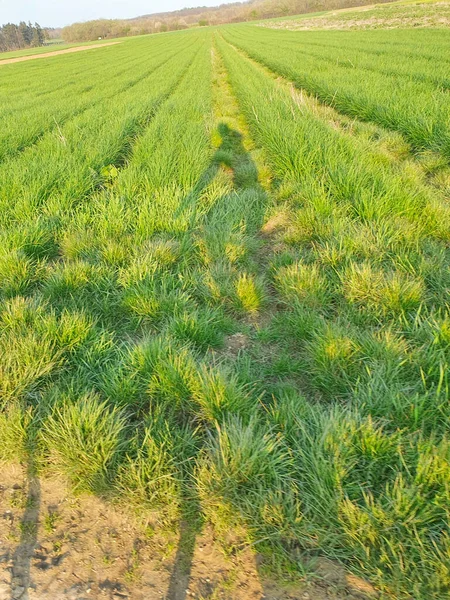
{"type": "Point", "coordinates": [398, 15]}
{"type": "Point", "coordinates": [51, 48]}
{"type": "Point", "coordinates": [31, 51]}
{"type": "Point", "coordinates": [225, 300]}
{"type": "Point", "coordinates": [44, 55]}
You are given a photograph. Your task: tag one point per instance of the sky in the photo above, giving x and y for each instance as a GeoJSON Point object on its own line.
{"type": "Point", "coordinates": [57, 13]}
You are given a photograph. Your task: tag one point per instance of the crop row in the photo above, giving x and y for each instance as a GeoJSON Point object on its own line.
{"type": "Point", "coordinates": [23, 122]}
{"type": "Point", "coordinates": [417, 109]}
{"type": "Point", "coordinates": [367, 319]}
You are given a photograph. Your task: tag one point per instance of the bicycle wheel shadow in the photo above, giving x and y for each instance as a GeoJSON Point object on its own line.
{"type": "Point", "coordinates": [22, 557]}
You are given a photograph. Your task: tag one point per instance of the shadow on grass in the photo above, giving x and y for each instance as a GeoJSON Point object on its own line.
{"type": "Point", "coordinates": [21, 560]}
{"type": "Point", "coordinates": [232, 155]}
{"type": "Point", "coordinates": [89, 298]}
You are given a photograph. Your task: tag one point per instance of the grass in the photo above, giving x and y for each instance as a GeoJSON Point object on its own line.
{"type": "Point", "coordinates": [215, 192]}
{"type": "Point", "coordinates": [362, 80]}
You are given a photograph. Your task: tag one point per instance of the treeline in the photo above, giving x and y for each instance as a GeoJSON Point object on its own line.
{"type": "Point", "coordinates": [192, 17]}
{"type": "Point", "coordinates": [23, 35]}
{"type": "Point", "coordinates": [109, 28]}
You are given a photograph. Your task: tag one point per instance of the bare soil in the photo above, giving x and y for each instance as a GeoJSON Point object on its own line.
{"type": "Point", "coordinates": [54, 546]}
{"type": "Point", "coordinates": [386, 16]}
{"type": "Point", "coordinates": [370, 23]}
{"type": "Point", "coordinates": [9, 61]}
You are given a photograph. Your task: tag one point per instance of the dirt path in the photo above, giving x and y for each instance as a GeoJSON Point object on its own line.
{"type": "Point", "coordinates": [8, 61]}
{"type": "Point", "coordinates": [54, 546]}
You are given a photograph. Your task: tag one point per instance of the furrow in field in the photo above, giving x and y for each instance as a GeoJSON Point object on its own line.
{"type": "Point", "coordinates": [232, 223]}
{"type": "Point", "coordinates": [239, 230]}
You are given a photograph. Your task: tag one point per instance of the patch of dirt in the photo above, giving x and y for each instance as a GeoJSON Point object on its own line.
{"type": "Point", "coordinates": [236, 342]}
{"type": "Point", "coordinates": [276, 223]}
{"type": "Point", "coordinates": [333, 574]}
{"type": "Point", "coordinates": [57, 547]}
{"type": "Point", "coordinates": [378, 17]}
{"type": "Point", "coordinates": [9, 61]}
{"type": "Point", "coordinates": [381, 23]}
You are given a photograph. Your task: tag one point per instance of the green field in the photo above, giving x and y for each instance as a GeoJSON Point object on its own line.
{"type": "Point", "coordinates": [225, 288]}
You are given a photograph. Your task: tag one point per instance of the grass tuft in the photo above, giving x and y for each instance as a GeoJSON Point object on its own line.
{"type": "Point", "coordinates": [250, 294]}
{"type": "Point", "coordinates": [84, 442]}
